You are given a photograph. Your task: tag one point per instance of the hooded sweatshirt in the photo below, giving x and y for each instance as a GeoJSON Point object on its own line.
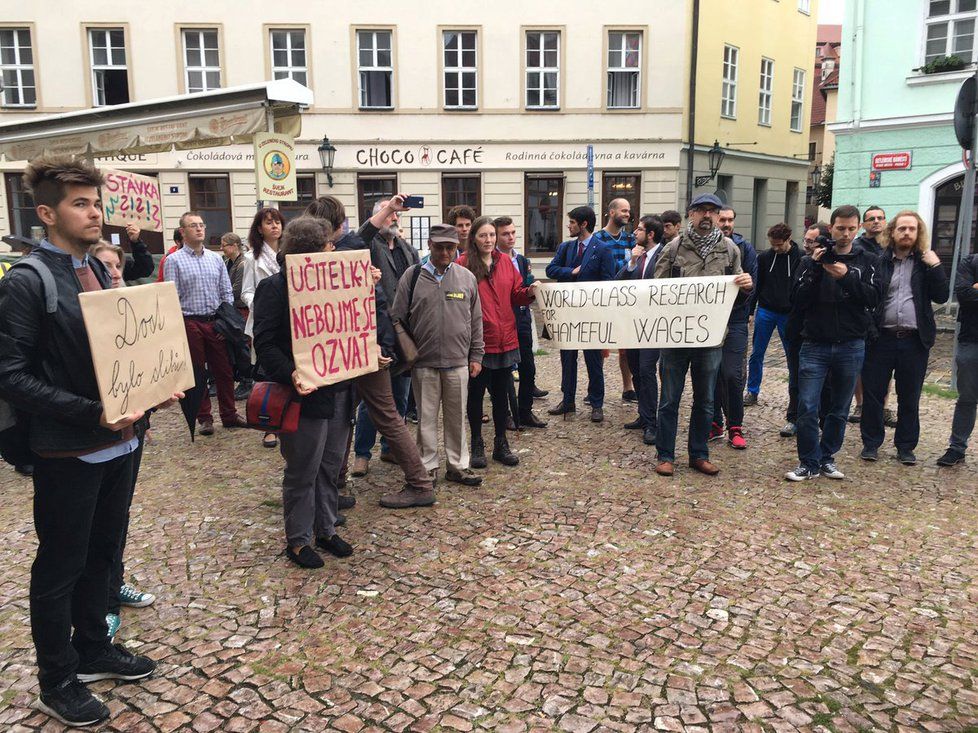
{"type": "Point", "coordinates": [775, 274]}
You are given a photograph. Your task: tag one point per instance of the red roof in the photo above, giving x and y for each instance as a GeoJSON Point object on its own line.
{"type": "Point", "coordinates": [829, 34]}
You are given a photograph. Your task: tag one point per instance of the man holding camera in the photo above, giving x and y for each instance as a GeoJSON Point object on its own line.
{"type": "Point", "coordinates": [835, 293]}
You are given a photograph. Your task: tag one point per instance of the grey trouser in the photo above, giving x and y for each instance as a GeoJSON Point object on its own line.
{"type": "Point", "coordinates": [313, 456]}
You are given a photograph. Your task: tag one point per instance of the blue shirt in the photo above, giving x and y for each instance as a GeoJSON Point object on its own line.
{"type": "Point", "coordinates": [431, 268]}
{"type": "Point", "coordinates": [76, 263]}
{"type": "Point", "coordinates": [202, 280]}
{"type": "Point", "coordinates": [621, 246]}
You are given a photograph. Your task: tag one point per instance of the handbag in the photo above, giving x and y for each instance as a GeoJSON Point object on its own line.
{"type": "Point", "coordinates": [407, 349]}
{"type": "Point", "coordinates": [273, 408]}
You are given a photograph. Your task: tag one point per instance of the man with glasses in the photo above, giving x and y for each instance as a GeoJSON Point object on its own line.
{"type": "Point", "coordinates": [874, 222]}
{"type": "Point", "coordinates": [203, 285]}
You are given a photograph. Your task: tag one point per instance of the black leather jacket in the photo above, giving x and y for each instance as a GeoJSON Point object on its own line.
{"type": "Point", "coordinates": [45, 361]}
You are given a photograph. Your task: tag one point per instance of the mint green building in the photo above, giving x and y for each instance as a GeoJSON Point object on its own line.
{"type": "Point", "coordinates": [892, 111]}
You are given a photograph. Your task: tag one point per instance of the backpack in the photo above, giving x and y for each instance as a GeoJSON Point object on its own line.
{"type": "Point", "coordinates": [14, 442]}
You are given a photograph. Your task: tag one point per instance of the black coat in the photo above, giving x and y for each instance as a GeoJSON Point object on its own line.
{"type": "Point", "coordinates": [928, 285]}
{"type": "Point", "coordinates": [776, 273]}
{"type": "Point", "coordinates": [141, 265]}
{"type": "Point", "coordinates": [967, 295]}
{"type": "Point", "coordinates": [230, 324]}
{"type": "Point", "coordinates": [834, 311]}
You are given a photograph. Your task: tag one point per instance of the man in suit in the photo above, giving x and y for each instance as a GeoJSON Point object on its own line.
{"type": "Point", "coordinates": [643, 362]}
{"type": "Point", "coordinates": [581, 259]}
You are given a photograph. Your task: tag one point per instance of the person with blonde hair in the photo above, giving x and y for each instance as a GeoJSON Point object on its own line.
{"type": "Point", "coordinates": [911, 278]}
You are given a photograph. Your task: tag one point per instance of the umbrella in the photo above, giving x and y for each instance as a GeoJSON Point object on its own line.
{"type": "Point", "coordinates": [192, 398]}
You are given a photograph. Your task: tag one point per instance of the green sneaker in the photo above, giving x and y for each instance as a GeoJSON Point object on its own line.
{"type": "Point", "coordinates": [113, 621]}
{"type": "Point", "coordinates": [129, 596]}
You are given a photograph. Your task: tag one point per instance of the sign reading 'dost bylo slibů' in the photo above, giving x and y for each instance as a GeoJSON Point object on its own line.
{"type": "Point", "coordinates": [275, 167]}
{"type": "Point", "coordinates": [667, 313]}
{"type": "Point", "coordinates": [332, 316]}
{"type": "Point", "coordinates": [129, 198]}
{"type": "Point", "coordinates": [139, 346]}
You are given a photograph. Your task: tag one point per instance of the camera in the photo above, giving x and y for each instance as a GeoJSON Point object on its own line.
{"type": "Point", "coordinates": [828, 244]}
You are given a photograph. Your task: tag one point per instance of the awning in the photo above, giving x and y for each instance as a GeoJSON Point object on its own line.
{"type": "Point", "coordinates": [202, 120]}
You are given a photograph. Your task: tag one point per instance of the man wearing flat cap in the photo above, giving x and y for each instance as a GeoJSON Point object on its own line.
{"type": "Point", "coordinates": [438, 302]}
{"type": "Point", "coordinates": [700, 250]}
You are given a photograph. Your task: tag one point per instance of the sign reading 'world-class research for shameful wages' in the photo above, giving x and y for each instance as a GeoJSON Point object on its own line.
{"type": "Point", "coordinates": [331, 312]}
{"type": "Point", "coordinates": [667, 313]}
{"type": "Point", "coordinates": [139, 346]}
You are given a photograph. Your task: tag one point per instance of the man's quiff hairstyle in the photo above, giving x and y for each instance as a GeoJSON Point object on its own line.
{"type": "Point", "coordinates": [47, 179]}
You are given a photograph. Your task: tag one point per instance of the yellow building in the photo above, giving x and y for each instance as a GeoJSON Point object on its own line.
{"type": "Point", "coordinates": [754, 71]}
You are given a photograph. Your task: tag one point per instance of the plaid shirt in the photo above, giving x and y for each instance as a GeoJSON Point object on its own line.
{"type": "Point", "coordinates": [621, 247]}
{"type": "Point", "coordinates": [202, 280]}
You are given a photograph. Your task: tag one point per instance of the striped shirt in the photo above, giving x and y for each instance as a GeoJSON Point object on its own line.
{"type": "Point", "coordinates": [621, 246]}
{"type": "Point", "coordinates": [202, 280]}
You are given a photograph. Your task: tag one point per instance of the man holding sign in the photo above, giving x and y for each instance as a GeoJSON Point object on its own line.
{"type": "Point", "coordinates": [700, 250]}
{"type": "Point", "coordinates": [83, 463]}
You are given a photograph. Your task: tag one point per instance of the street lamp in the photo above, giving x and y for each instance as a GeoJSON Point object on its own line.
{"type": "Point", "coordinates": [816, 177]}
{"type": "Point", "coordinates": [327, 154]}
{"type": "Point", "coordinates": [715, 158]}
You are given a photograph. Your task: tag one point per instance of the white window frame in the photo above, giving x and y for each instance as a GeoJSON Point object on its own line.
{"type": "Point", "coordinates": [797, 98]}
{"type": "Point", "coordinates": [203, 68]}
{"type": "Point", "coordinates": [375, 67]}
{"type": "Point", "coordinates": [623, 70]}
{"type": "Point", "coordinates": [19, 67]}
{"type": "Point", "coordinates": [289, 71]}
{"type": "Point", "coordinates": [98, 95]}
{"type": "Point", "coordinates": [728, 87]}
{"type": "Point", "coordinates": [950, 20]}
{"type": "Point", "coordinates": [460, 68]}
{"type": "Point", "coordinates": [805, 6]}
{"type": "Point", "coordinates": [541, 71]}
{"type": "Point", "coordinates": [765, 92]}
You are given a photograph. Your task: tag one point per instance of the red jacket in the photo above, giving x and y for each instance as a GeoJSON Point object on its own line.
{"type": "Point", "coordinates": [499, 293]}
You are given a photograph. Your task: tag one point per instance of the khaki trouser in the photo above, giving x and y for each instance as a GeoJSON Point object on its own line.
{"type": "Point", "coordinates": [447, 389]}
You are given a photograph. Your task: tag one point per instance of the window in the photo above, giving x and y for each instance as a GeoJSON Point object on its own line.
{"type": "Point", "coordinates": [812, 150]}
{"type": "Point", "coordinates": [17, 68]}
{"type": "Point", "coordinates": [457, 190]}
{"type": "Point", "coordinates": [110, 77]}
{"type": "Point", "coordinates": [620, 186]}
{"type": "Point", "coordinates": [211, 197]}
{"type": "Point", "coordinates": [950, 29]}
{"type": "Point", "coordinates": [764, 92]}
{"type": "Point", "coordinates": [805, 6]}
{"type": "Point", "coordinates": [20, 206]}
{"type": "Point", "coordinates": [376, 65]}
{"type": "Point", "coordinates": [797, 99]}
{"type": "Point", "coordinates": [305, 189]}
{"type": "Point", "coordinates": [370, 190]}
{"type": "Point", "coordinates": [460, 69]}
{"type": "Point", "coordinates": [728, 96]}
{"type": "Point", "coordinates": [542, 69]}
{"type": "Point", "coordinates": [725, 188]}
{"type": "Point", "coordinates": [543, 204]}
{"type": "Point", "coordinates": [289, 55]}
{"type": "Point", "coordinates": [202, 59]}
{"type": "Point", "coordinates": [624, 69]}
{"type": "Point", "coordinates": [759, 211]}
{"type": "Point", "coordinates": [790, 201]}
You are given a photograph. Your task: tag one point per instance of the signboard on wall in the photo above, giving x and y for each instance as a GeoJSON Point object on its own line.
{"type": "Point", "coordinates": [275, 167]}
{"type": "Point", "coordinates": [896, 161]}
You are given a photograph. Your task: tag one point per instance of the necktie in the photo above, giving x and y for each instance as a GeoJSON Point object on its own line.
{"type": "Point", "coordinates": [643, 261]}
{"type": "Point", "coordinates": [580, 250]}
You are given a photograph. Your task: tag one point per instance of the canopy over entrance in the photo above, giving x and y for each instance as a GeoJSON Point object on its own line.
{"type": "Point", "coordinates": [202, 120]}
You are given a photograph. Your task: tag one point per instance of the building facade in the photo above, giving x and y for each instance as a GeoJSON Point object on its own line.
{"type": "Point", "coordinates": [895, 144]}
{"type": "Point", "coordinates": [494, 110]}
{"type": "Point", "coordinates": [825, 103]}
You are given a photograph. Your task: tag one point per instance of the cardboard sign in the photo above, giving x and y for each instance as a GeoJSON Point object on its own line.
{"type": "Point", "coordinates": [275, 167]}
{"type": "Point", "coordinates": [139, 346]}
{"type": "Point", "coordinates": [129, 198]}
{"type": "Point", "coordinates": [669, 313]}
{"type": "Point", "coordinates": [332, 316]}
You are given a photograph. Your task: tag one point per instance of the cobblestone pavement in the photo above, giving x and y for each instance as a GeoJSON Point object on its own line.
{"type": "Point", "coordinates": [578, 592]}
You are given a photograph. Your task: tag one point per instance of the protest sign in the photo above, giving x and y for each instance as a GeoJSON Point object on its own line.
{"type": "Point", "coordinates": [131, 198]}
{"type": "Point", "coordinates": [139, 346]}
{"type": "Point", "coordinates": [332, 316]}
{"type": "Point", "coordinates": [275, 167]}
{"type": "Point", "coordinates": [668, 313]}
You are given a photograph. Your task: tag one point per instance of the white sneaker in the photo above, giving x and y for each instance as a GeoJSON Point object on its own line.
{"type": "Point", "coordinates": [129, 596]}
{"type": "Point", "coordinates": [801, 474]}
{"type": "Point", "coordinates": [830, 470]}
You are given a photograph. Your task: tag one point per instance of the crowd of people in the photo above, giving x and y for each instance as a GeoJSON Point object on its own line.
{"type": "Point", "coordinates": [850, 310]}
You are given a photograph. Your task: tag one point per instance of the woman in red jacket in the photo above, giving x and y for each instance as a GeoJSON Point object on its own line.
{"type": "Point", "coordinates": [500, 290]}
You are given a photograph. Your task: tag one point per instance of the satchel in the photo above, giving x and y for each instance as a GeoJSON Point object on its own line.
{"type": "Point", "coordinates": [407, 350]}
{"type": "Point", "coordinates": [273, 408]}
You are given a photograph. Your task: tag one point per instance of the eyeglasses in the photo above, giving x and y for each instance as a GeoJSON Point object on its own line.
{"type": "Point", "coordinates": [195, 226]}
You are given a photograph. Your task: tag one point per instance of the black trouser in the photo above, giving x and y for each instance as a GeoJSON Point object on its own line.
{"type": "Point", "coordinates": [643, 363]}
{"type": "Point", "coordinates": [497, 381]}
{"type": "Point", "coordinates": [904, 360]}
{"type": "Point", "coordinates": [729, 398]}
{"type": "Point", "coordinates": [118, 569]}
{"type": "Point", "coordinates": [79, 517]}
{"type": "Point", "coordinates": [527, 367]}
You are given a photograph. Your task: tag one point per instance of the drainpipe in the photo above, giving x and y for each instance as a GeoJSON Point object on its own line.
{"type": "Point", "coordinates": [857, 68]}
{"type": "Point", "coordinates": [694, 40]}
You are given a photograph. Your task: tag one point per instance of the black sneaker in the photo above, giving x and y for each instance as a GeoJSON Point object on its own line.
{"type": "Point", "coordinates": [412, 417]}
{"type": "Point", "coordinates": [629, 395]}
{"type": "Point", "coordinates": [335, 545]}
{"type": "Point", "coordinates": [869, 454]}
{"type": "Point", "coordinates": [539, 394]}
{"type": "Point", "coordinates": [71, 703]}
{"type": "Point", "coordinates": [340, 520]}
{"type": "Point", "coordinates": [115, 663]}
{"type": "Point", "coordinates": [906, 457]}
{"type": "Point", "coordinates": [306, 557]}
{"type": "Point", "coordinates": [951, 457]}
{"type": "Point", "coordinates": [347, 502]}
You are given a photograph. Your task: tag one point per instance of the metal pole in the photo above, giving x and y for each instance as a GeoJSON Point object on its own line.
{"type": "Point", "coordinates": [269, 127]}
{"type": "Point", "coordinates": [690, 154]}
{"type": "Point", "coordinates": [965, 234]}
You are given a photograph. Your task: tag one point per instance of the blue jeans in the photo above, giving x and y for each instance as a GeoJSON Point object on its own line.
{"type": "Point", "coordinates": [765, 322]}
{"type": "Point", "coordinates": [595, 376]}
{"type": "Point", "coordinates": [366, 434]}
{"type": "Point", "coordinates": [703, 365]}
{"type": "Point", "coordinates": [967, 404]}
{"type": "Point", "coordinates": [839, 364]}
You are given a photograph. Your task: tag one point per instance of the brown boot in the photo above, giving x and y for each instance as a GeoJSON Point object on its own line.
{"type": "Point", "coordinates": [407, 497]}
{"type": "Point", "coordinates": [703, 466]}
{"type": "Point", "coordinates": [360, 467]}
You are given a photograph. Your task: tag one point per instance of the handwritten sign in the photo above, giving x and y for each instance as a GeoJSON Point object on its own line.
{"type": "Point", "coordinates": [669, 313]}
{"type": "Point", "coordinates": [139, 346]}
{"type": "Point", "coordinates": [331, 309]}
{"type": "Point", "coordinates": [132, 198]}
{"type": "Point", "coordinates": [275, 167]}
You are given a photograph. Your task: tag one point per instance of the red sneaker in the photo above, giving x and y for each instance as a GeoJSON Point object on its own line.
{"type": "Point", "coordinates": [735, 438]}
{"type": "Point", "coordinates": [716, 432]}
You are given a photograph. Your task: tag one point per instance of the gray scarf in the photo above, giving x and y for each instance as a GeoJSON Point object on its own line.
{"type": "Point", "coordinates": [703, 243]}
